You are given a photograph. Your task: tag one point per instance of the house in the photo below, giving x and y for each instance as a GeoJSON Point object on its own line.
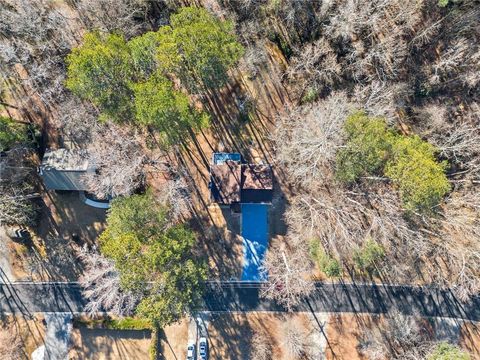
{"type": "Point", "coordinates": [64, 169]}
{"type": "Point", "coordinates": [248, 189]}
{"type": "Point", "coordinates": [233, 182]}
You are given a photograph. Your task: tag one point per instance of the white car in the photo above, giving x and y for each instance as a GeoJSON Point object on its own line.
{"type": "Point", "coordinates": [203, 348]}
{"type": "Point", "coordinates": [191, 352]}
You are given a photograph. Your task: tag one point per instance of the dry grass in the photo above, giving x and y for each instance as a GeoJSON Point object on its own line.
{"type": "Point", "coordinates": [101, 344]}
{"type": "Point", "coordinates": [173, 341]}
{"type": "Point", "coordinates": [230, 336]}
{"type": "Point", "coordinates": [470, 338]}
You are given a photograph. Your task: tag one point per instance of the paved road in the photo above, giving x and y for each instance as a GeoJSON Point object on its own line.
{"type": "Point", "coordinates": [363, 298]}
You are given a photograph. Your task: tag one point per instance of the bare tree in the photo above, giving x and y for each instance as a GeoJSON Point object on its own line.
{"type": "Point", "coordinates": [315, 66]}
{"type": "Point", "coordinates": [117, 154]}
{"type": "Point", "coordinates": [455, 136]}
{"type": "Point", "coordinates": [101, 283]}
{"type": "Point", "coordinates": [287, 272]}
{"type": "Point", "coordinates": [175, 193]}
{"type": "Point", "coordinates": [313, 134]}
{"type": "Point", "coordinates": [114, 15]}
{"type": "Point", "coordinates": [17, 190]}
{"type": "Point", "coordinates": [76, 120]}
{"type": "Point", "coordinates": [261, 346]}
{"type": "Point", "coordinates": [254, 59]}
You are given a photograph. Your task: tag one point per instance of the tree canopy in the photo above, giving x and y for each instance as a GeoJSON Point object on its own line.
{"type": "Point", "coordinates": [100, 71]}
{"type": "Point", "coordinates": [372, 148]}
{"type": "Point", "coordinates": [446, 351]}
{"type": "Point", "coordinates": [11, 133]}
{"type": "Point", "coordinates": [134, 80]}
{"type": "Point", "coordinates": [153, 259]}
{"type": "Point", "coordinates": [143, 53]}
{"type": "Point", "coordinates": [159, 105]}
{"type": "Point", "coordinates": [420, 178]}
{"type": "Point", "coordinates": [368, 147]}
{"type": "Point", "coordinates": [207, 45]}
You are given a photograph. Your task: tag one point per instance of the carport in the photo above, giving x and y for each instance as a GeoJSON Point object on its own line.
{"type": "Point", "coordinates": [254, 230]}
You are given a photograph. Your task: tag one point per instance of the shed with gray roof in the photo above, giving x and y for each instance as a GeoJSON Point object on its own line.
{"type": "Point", "coordinates": [64, 169]}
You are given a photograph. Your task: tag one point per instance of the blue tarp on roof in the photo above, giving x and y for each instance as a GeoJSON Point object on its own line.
{"type": "Point", "coordinates": [255, 239]}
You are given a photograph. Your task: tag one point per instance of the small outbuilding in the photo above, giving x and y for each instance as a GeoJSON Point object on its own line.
{"type": "Point", "coordinates": [64, 169]}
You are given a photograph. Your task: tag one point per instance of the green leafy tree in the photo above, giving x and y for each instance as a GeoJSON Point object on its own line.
{"type": "Point", "coordinates": [327, 264]}
{"type": "Point", "coordinates": [207, 45]}
{"type": "Point", "coordinates": [168, 56]}
{"type": "Point", "coordinates": [11, 133]}
{"type": "Point", "coordinates": [157, 104]}
{"type": "Point", "coordinates": [368, 147]}
{"type": "Point", "coordinates": [143, 52]}
{"type": "Point", "coordinates": [152, 258]}
{"type": "Point", "coordinates": [369, 256]}
{"type": "Point", "coordinates": [100, 70]}
{"type": "Point", "coordinates": [421, 179]}
{"type": "Point", "coordinates": [374, 149]}
{"type": "Point", "coordinates": [446, 351]}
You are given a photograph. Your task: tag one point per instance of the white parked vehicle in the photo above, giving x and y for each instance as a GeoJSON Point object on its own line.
{"type": "Point", "coordinates": [203, 348]}
{"type": "Point", "coordinates": [191, 352]}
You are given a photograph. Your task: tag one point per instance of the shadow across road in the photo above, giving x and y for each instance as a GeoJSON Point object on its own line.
{"type": "Point", "coordinates": [246, 296]}
{"type": "Point", "coordinates": [347, 297]}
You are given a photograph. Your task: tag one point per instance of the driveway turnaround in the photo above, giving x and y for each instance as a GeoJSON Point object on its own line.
{"type": "Point", "coordinates": [255, 239]}
{"type": "Point", "coordinates": [230, 296]}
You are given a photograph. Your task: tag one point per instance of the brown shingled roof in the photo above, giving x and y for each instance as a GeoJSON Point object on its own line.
{"type": "Point", "coordinates": [227, 179]}
{"type": "Point", "coordinates": [257, 177]}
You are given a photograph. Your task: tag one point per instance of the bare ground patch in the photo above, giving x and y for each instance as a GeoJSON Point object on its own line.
{"type": "Point", "coordinates": [230, 336]}
{"type": "Point", "coordinates": [65, 225]}
{"type": "Point", "coordinates": [101, 344]}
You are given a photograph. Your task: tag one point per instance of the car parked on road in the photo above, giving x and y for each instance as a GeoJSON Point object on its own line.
{"type": "Point", "coordinates": [203, 348]}
{"type": "Point", "coordinates": [191, 352]}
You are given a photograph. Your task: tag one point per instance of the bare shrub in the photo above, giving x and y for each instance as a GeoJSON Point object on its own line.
{"type": "Point", "coordinates": [261, 346]}
{"type": "Point", "coordinates": [397, 337]}
{"type": "Point", "coordinates": [294, 338]}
